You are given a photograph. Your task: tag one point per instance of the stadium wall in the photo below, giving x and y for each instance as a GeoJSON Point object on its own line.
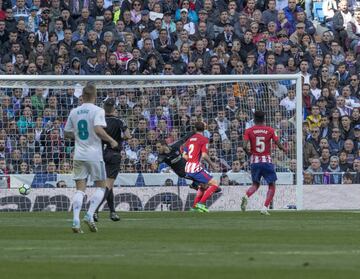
{"type": "Point", "coordinates": [316, 197]}
{"type": "Point", "coordinates": [48, 180]}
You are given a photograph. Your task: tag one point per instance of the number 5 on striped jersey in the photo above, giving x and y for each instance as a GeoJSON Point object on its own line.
{"type": "Point", "coordinates": [260, 144]}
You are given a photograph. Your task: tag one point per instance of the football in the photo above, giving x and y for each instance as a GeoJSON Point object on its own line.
{"type": "Point", "coordinates": [24, 189]}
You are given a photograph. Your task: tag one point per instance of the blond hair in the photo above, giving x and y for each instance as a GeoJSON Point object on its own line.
{"type": "Point", "coordinates": [89, 92]}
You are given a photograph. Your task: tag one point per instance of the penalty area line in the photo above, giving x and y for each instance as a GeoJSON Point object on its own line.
{"type": "Point", "coordinates": [314, 253]}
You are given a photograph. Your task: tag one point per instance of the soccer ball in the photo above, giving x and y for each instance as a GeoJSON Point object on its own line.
{"type": "Point", "coordinates": [24, 189]}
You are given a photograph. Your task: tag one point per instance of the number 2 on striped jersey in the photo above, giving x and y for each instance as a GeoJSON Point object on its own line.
{"type": "Point", "coordinates": [191, 150]}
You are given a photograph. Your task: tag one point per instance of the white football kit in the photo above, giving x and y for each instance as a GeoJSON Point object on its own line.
{"type": "Point", "coordinates": [88, 157]}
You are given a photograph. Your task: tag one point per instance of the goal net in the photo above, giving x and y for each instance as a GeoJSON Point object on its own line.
{"type": "Point", "coordinates": [33, 149]}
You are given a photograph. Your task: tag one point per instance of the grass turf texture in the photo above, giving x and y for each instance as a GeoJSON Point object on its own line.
{"type": "Point", "coordinates": [182, 245]}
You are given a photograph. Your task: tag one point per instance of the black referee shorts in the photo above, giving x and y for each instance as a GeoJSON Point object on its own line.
{"type": "Point", "coordinates": [112, 161]}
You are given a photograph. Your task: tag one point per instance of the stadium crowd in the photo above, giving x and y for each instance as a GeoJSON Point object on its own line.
{"type": "Point", "coordinates": [190, 37]}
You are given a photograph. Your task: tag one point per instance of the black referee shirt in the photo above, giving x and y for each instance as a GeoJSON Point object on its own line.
{"type": "Point", "coordinates": [115, 127]}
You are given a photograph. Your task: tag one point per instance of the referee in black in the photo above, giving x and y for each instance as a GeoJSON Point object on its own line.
{"type": "Point", "coordinates": [118, 130]}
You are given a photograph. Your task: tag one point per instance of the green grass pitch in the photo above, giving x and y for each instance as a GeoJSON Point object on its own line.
{"type": "Point", "coordinates": [182, 245]}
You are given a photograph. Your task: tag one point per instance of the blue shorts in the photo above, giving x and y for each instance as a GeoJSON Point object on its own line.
{"type": "Point", "coordinates": [265, 170]}
{"type": "Point", "coordinates": [202, 176]}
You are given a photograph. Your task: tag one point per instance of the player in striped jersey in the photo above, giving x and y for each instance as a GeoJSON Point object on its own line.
{"type": "Point", "coordinates": [259, 137]}
{"type": "Point", "coordinates": [196, 149]}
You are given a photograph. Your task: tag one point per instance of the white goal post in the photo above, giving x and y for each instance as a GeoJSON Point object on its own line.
{"type": "Point", "coordinates": [260, 88]}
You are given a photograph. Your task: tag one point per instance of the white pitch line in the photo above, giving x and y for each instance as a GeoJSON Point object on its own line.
{"type": "Point", "coordinates": [89, 256]}
{"type": "Point", "coordinates": [123, 219]}
{"type": "Point", "coordinates": [20, 248]}
{"type": "Point", "coordinates": [94, 256]}
{"type": "Point", "coordinates": [315, 253]}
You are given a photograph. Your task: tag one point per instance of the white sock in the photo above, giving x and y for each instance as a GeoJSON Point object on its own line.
{"type": "Point", "coordinates": [77, 204]}
{"type": "Point", "coordinates": [95, 201]}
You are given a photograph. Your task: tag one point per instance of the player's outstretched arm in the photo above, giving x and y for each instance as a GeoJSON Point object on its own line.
{"type": "Point", "coordinates": [186, 137]}
{"type": "Point", "coordinates": [101, 133]}
{"type": "Point", "coordinates": [176, 145]}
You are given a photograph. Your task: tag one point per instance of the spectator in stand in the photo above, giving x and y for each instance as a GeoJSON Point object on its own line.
{"type": "Point", "coordinates": [350, 150]}
{"type": "Point", "coordinates": [342, 107]}
{"type": "Point", "coordinates": [308, 99]}
{"type": "Point", "coordinates": [75, 67]}
{"type": "Point", "coordinates": [314, 119]}
{"type": "Point", "coordinates": [337, 55]}
{"type": "Point", "coordinates": [24, 168]}
{"type": "Point", "coordinates": [68, 101]}
{"type": "Point", "coordinates": [353, 31]}
{"type": "Point", "coordinates": [308, 178]}
{"type": "Point", "coordinates": [25, 121]}
{"type": "Point", "coordinates": [15, 160]}
{"type": "Point", "coordinates": [325, 158]}
{"type": "Point", "coordinates": [336, 144]}
{"type": "Point", "coordinates": [347, 178]}
{"type": "Point", "coordinates": [347, 130]}
{"type": "Point", "coordinates": [314, 89]}
{"type": "Point", "coordinates": [356, 168]}
{"type": "Point", "coordinates": [357, 137]}
{"type": "Point", "coordinates": [334, 168]}
{"type": "Point", "coordinates": [340, 21]}
{"type": "Point", "coordinates": [164, 44]}
{"type": "Point", "coordinates": [271, 13]}
{"type": "Point", "coordinates": [316, 170]}
{"type": "Point", "coordinates": [324, 143]}
{"type": "Point", "coordinates": [235, 167]}
{"type": "Point", "coordinates": [225, 181]}
{"type": "Point", "coordinates": [179, 66]}
{"type": "Point", "coordinates": [354, 86]}
{"type": "Point", "coordinates": [4, 170]}
{"type": "Point", "coordinates": [291, 11]}
{"type": "Point", "coordinates": [309, 153]}
{"type": "Point", "coordinates": [314, 137]}
{"type": "Point", "coordinates": [159, 115]}
{"type": "Point", "coordinates": [283, 24]}
{"type": "Point", "coordinates": [350, 101]}
{"type": "Point", "coordinates": [51, 168]}
{"type": "Point", "coordinates": [54, 147]}
{"type": "Point", "coordinates": [343, 162]}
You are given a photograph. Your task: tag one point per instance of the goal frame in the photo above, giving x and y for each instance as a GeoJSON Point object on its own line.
{"type": "Point", "coordinates": [202, 78]}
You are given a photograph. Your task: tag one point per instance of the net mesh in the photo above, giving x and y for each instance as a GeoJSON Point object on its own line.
{"type": "Point", "coordinates": [34, 113]}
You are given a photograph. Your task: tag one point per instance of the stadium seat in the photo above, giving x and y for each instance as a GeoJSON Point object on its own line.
{"type": "Point", "coordinates": [318, 12]}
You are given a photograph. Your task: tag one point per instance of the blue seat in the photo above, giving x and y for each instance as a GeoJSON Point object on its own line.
{"type": "Point", "coordinates": [318, 11]}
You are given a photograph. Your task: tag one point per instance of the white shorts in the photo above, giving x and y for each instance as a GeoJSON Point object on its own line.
{"type": "Point", "coordinates": [94, 169]}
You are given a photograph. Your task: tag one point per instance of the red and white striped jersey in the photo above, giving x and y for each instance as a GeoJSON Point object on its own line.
{"type": "Point", "coordinates": [192, 167]}
{"type": "Point", "coordinates": [260, 138]}
{"type": "Point", "coordinates": [194, 147]}
{"type": "Point", "coordinates": [260, 159]}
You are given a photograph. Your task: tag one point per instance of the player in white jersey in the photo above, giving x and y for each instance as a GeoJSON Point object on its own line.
{"type": "Point", "coordinates": [86, 125]}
